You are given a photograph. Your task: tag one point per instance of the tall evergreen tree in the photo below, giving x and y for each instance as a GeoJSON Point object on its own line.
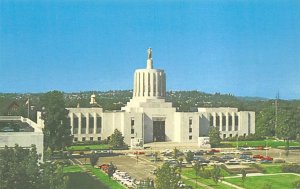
{"type": "Point", "coordinates": [166, 177]}
{"type": "Point", "coordinates": [57, 130]}
{"type": "Point", "coordinates": [116, 139]}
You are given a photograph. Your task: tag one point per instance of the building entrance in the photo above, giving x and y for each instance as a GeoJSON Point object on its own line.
{"type": "Point", "coordinates": [159, 131]}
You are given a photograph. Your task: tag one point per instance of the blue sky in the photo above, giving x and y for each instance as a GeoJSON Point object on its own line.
{"type": "Point", "coordinates": [246, 48]}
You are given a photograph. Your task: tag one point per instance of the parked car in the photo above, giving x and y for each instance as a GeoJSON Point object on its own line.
{"type": "Point", "coordinates": [104, 167]}
{"type": "Point", "coordinates": [215, 150]}
{"type": "Point", "coordinates": [247, 161]}
{"type": "Point", "coordinates": [217, 158]}
{"type": "Point", "coordinates": [226, 157]}
{"type": "Point", "coordinates": [257, 156]}
{"type": "Point", "coordinates": [266, 161]}
{"type": "Point", "coordinates": [139, 153]}
{"type": "Point", "coordinates": [243, 156]}
{"type": "Point", "coordinates": [247, 153]}
{"type": "Point", "coordinates": [232, 162]}
{"type": "Point", "coordinates": [267, 158]}
{"type": "Point", "coordinates": [201, 159]}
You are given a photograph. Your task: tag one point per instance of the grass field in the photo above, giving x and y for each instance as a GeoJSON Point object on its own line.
{"type": "Point", "coordinates": [276, 181]}
{"type": "Point", "coordinates": [269, 143]}
{"type": "Point", "coordinates": [77, 177]}
{"type": "Point", "coordinates": [271, 168]}
{"type": "Point", "coordinates": [104, 178]}
{"type": "Point", "coordinates": [90, 147]}
{"type": "Point", "coordinates": [190, 173]}
{"type": "Point", "coordinates": [81, 180]}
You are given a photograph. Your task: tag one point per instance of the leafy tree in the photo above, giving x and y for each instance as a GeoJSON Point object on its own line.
{"type": "Point", "coordinates": [20, 169]}
{"type": "Point", "coordinates": [197, 168]}
{"type": "Point", "coordinates": [117, 139]}
{"type": "Point", "coordinates": [189, 156]}
{"type": "Point", "coordinates": [94, 158]}
{"type": "Point", "coordinates": [57, 130]}
{"type": "Point", "coordinates": [244, 174]}
{"type": "Point", "coordinates": [111, 169]}
{"type": "Point", "coordinates": [52, 176]}
{"type": "Point", "coordinates": [214, 137]}
{"type": "Point", "coordinates": [216, 174]}
{"type": "Point", "coordinates": [166, 177]}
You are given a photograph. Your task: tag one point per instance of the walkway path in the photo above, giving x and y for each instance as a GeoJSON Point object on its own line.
{"type": "Point", "coordinates": [199, 183]}
{"type": "Point", "coordinates": [261, 174]}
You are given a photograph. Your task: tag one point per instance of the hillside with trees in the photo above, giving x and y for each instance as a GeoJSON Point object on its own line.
{"type": "Point", "coordinates": [288, 114]}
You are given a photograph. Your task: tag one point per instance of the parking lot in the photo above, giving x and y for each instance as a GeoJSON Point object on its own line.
{"type": "Point", "coordinates": [142, 166]}
{"type": "Point", "coordinates": [139, 169]}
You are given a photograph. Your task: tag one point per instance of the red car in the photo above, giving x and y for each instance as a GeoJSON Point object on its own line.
{"type": "Point", "coordinates": [267, 158]}
{"type": "Point", "coordinates": [104, 167]}
{"type": "Point", "coordinates": [214, 151]}
{"type": "Point", "coordinates": [138, 153]}
{"type": "Point", "coordinates": [257, 156]}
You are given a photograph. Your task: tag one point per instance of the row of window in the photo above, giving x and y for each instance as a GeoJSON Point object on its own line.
{"type": "Point", "coordinates": [217, 124]}
{"type": "Point", "coordinates": [83, 125]}
{"type": "Point", "coordinates": [84, 139]}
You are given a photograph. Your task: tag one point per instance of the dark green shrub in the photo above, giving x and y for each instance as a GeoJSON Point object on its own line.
{"type": "Point", "coordinates": [290, 168]}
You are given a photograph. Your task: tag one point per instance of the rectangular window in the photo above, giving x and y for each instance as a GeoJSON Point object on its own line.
{"type": "Point", "coordinates": [217, 121]}
{"type": "Point", "coordinates": [230, 123]}
{"type": "Point", "coordinates": [236, 123]}
{"type": "Point", "coordinates": [190, 125]}
{"type": "Point", "coordinates": [91, 125]}
{"type": "Point", "coordinates": [211, 121]}
{"type": "Point", "coordinates": [83, 125]}
{"type": "Point", "coordinates": [75, 125]}
{"type": "Point", "coordinates": [91, 138]}
{"type": "Point", "coordinates": [230, 135]}
{"type": "Point", "coordinates": [75, 139]}
{"type": "Point", "coordinates": [190, 137]}
{"type": "Point", "coordinates": [99, 138]}
{"type": "Point", "coordinates": [132, 125]}
{"type": "Point", "coordinates": [99, 125]}
{"type": "Point", "coordinates": [83, 139]}
{"type": "Point", "coordinates": [223, 123]}
{"type": "Point", "coordinates": [224, 120]}
{"type": "Point", "coordinates": [224, 135]}
{"type": "Point", "coordinates": [190, 121]}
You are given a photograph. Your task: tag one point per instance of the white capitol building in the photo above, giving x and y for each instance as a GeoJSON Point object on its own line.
{"type": "Point", "coordinates": [149, 117]}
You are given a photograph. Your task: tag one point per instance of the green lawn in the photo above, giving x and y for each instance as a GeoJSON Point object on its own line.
{"type": "Point", "coordinates": [90, 147]}
{"type": "Point", "coordinates": [72, 169]}
{"type": "Point", "coordinates": [269, 143]}
{"type": "Point", "coordinates": [81, 180]}
{"type": "Point", "coordinates": [277, 181]}
{"type": "Point", "coordinates": [104, 178]}
{"type": "Point", "coordinates": [271, 168]}
{"type": "Point", "coordinates": [190, 173]}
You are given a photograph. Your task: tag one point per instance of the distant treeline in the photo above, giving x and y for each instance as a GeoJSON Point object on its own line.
{"type": "Point", "coordinates": [15, 104]}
